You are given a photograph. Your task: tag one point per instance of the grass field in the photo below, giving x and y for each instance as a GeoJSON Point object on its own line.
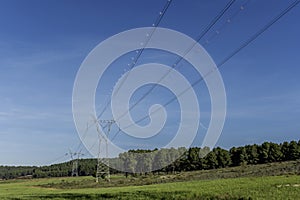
{"type": "Point", "coordinates": [247, 182]}
{"type": "Point", "coordinates": [275, 187]}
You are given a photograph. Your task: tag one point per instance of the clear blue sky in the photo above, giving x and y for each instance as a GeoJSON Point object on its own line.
{"type": "Point", "coordinates": [42, 44]}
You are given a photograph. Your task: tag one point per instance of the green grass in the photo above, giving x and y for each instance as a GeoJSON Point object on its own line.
{"type": "Point", "coordinates": [272, 169]}
{"type": "Point", "coordinates": [271, 187]}
{"type": "Point", "coordinates": [268, 181]}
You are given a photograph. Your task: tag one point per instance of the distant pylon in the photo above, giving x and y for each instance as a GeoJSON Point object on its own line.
{"type": "Point", "coordinates": [75, 167]}
{"type": "Point", "coordinates": [103, 162]}
{"type": "Point", "coordinates": [74, 158]}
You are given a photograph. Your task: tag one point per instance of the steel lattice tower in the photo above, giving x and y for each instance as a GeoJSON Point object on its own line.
{"type": "Point", "coordinates": [103, 162]}
{"type": "Point", "coordinates": [75, 157]}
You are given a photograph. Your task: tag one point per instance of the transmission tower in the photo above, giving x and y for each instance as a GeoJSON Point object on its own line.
{"type": "Point", "coordinates": [103, 162]}
{"type": "Point", "coordinates": [74, 157]}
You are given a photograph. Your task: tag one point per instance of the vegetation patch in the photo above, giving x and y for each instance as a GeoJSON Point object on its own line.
{"type": "Point", "coordinates": [142, 195]}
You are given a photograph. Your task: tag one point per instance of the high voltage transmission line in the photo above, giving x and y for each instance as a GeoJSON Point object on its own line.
{"type": "Point", "coordinates": [226, 59]}
{"type": "Point", "coordinates": [139, 53]}
{"type": "Point", "coordinates": [103, 170]}
{"type": "Point", "coordinates": [204, 32]}
{"type": "Point", "coordinates": [157, 22]}
{"type": "Point", "coordinates": [57, 159]}
{"type": "Point", "coordinates": [227, 21]}
{"type": "Point", "coordinates": [245, 44]}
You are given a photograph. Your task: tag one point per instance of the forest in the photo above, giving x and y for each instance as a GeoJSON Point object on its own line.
{"type": "Point", "coordinates": [135, 162]}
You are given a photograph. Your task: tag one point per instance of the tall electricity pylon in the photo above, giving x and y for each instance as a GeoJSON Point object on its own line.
{"type": "Point", "coordinates": [103, 162]}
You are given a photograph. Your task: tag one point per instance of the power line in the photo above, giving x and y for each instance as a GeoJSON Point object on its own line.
{"type": "Point", "coordinates": [245, 44]}
{"type": "Point", "coordinates": [257, 34]}
{"type": "Point", "coordinates": [139, 53]}
{"type": "Point", "coordinates": [52, 162]}
{"type": "Point", "coordinates": [203, 33]}
{"type": "Point", "coordinates": [228, 21]}
{"type": "Point", "coordinates": [88, 126]}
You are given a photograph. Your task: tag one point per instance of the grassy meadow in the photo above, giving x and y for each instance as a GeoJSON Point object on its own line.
{"type": "Point", "coordinates": [248, 182]}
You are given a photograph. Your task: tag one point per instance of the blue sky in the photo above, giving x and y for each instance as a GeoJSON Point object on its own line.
{"type": "Point", "coordinates": [43, 43]}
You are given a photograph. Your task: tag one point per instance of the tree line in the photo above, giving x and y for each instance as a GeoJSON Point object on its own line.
{"type": "Point", "coordinates": [136, 162]}
{"type": "Point", "coordinates": [191, 158]}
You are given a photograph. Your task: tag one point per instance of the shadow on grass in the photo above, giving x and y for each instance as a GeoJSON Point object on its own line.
{"type": "Point", "coordinates": [139, 195]}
